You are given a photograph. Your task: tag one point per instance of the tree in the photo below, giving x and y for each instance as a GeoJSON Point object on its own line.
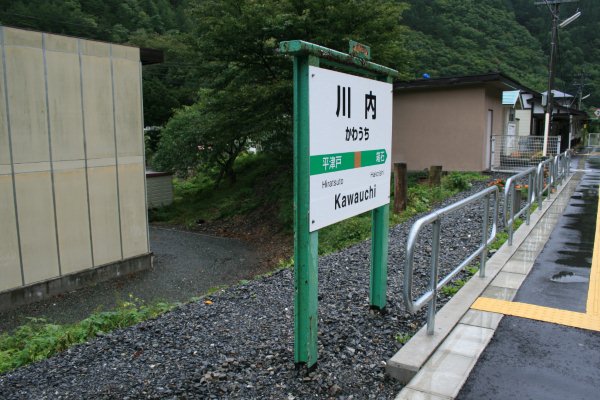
{"type": "Point", "coordinates": [463, 37]}
{"type": "Point", "coordinates": [248, 96]}
{"type": "Point", "coordinates": [145, 23]}
{"type": "Point", "coordinates": [173, 83]}
{"type": "Point", "coordinates": [191, 139]}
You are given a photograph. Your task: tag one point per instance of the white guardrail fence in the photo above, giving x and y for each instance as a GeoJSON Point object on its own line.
{"type": "Point", "coordinates": [541, 180]}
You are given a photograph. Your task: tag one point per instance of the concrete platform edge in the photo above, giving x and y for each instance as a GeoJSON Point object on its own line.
{"type": "Point", "coordinates": [409, 360]}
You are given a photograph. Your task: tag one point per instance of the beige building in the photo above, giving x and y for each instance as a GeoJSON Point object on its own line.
{"type": "Point", "coordinates": [72, 181]}
{"type": "Point", "coordinates": [451, 121]}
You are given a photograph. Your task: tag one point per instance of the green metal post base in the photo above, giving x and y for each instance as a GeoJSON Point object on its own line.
{"type": "Point", "coordinates": [379, 257]}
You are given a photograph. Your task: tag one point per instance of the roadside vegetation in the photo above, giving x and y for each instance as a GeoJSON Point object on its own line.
{"type": "Point", "coordinates": [262, 194]}
{"type": "Point", "coordinates": [40, 339]}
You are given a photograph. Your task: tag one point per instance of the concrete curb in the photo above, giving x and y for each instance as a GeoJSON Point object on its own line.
{"type": "Point", "coordinates": [407, 362]}
{"type": "Point", "coordinates": [41, 290]}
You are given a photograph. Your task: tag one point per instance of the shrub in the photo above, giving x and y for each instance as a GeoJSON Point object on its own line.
{"type": "Point", "coordinates": [457, 181]}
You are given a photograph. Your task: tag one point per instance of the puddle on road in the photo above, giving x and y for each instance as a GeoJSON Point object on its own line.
{"type": "Point", "coordinates": [568, 277]}
{"type": "Point", "coordinates": [580, 222]}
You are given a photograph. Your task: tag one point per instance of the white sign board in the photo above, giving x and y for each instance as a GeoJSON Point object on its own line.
{"type": "Point", "coordinates": [597, 113]}
{"type": "Point", "coordinates": [350, 145]}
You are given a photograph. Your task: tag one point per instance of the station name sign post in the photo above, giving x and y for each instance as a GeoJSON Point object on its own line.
{"type": "Point", "coordinates": [342, 167]}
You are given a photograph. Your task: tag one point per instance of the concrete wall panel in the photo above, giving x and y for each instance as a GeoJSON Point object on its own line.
{"type": "Point", "coordinates": [133, 209]}
{"type": "Point", "coordinates": [97, 49]}
{"type": "Point", "coordinates": [126, 52]}
{"type": "Point", "coordinates": [127, 107]}
{"type": "Point", "coordinates": [36, 224]}
{"type": "Point", "coordinates": [4, 150]}
{"type": "Point", "coordinates": [104, 214]}
{"type": "Point", "coordinates": [61, 43]}
{"type": "Point", "coordinates": [72, 220]}
{"type": "Point", "coordinates": [92, 101]}
{"type": "Point", "coordinates": [64, 99]}
{"type": "Point", "coordinates": [98, 107]}
{"type": "Point", "coordinates": [19, 37]}
{"type": "Point", "coordinates": [10, 267]}
{"type": "Point", "coordinates": [26, 94]}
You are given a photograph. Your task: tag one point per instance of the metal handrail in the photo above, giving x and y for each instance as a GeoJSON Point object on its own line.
{"type": "Point", "coordinates": [435, 219]}
{"type": "Point", "coordinates": [541, 180]}
{"type": "Point", "coordinates": [509, 194]}
{"type": "Point", "coordinates": [560, 167]}
{"type": "Point", "coordinates": [563, 165]}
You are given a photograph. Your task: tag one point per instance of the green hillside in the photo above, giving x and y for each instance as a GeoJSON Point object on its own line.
{"type": "Point", "coordinates": [224, 87]}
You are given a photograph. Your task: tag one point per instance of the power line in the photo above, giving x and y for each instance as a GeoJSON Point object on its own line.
{"type": "Point", "coordinates": [45, 20]}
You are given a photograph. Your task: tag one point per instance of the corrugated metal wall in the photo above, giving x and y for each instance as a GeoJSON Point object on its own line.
{"type": "Point", "coordinates": [72, 183]}
{"type": "Point", "coordinates": [159, 189]}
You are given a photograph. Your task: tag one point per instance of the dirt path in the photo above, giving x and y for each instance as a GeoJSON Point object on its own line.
{"type": "Point", "coordinates": [186, 264]}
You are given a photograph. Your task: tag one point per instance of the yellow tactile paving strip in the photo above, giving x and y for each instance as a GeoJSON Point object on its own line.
{"type": "Point", "coordinates": [539, 313]}
{"type": "Point", "coordinates": [593, 300]}
{"type": "Point", "coordinates": [589, 320]}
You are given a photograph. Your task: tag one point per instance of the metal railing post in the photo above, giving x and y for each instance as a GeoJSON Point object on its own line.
{"type": "Point", "coordinates": [530, 197]}
{"type": "Point", "coordinates": [510, 201]}
{"type": "Point", "coordinates": [484, 239]}
{"type": "Point", "coordinates": [435, 255]}
{"type": "Point", "coordinates": [509, 205]}
{"type": "Point", "coordinates": [551, 175]}
{"type": "Point", "coordinates": [539, 186]}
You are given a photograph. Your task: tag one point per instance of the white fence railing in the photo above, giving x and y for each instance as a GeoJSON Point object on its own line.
{"type": "Point", "coordinates": [511, 153]}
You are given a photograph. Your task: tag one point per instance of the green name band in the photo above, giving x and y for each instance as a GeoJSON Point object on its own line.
{"type": "Point", "coordinates": [326, 163]}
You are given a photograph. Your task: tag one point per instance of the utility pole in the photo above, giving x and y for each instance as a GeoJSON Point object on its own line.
{"type": "Point", "coordinates": [580, 85]}
{"type": "Point", "coordinates": [553, 6]}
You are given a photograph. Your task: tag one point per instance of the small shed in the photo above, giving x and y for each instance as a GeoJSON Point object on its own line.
{"type": "Point", "coordinates": [159, 189]}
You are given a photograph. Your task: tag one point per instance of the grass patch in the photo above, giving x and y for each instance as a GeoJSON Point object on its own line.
{"type": "Point", "coordinates": [403, 338]}
{"type": "Point", "coordinates": [452, 288]}
{"type": "Point", "coordinates": [39, 339]}
{"type": "Point", "coordinates": [261, 180]}
{"type": "Point", "coordinates": [501, 237]}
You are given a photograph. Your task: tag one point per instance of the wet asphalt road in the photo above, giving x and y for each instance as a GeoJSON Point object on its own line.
{"type": "Point", "coordinates": [529, 359]}
{"type": "Point", "coordinates": [185, 265]}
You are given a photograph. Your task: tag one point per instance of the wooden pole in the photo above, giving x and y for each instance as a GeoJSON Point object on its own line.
{"type": "Point", "coordinates": [400, 187]}
{"type": "Point", "coordinates": [435, 175]}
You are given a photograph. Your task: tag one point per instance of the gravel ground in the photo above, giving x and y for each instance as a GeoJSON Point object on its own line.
{"type": "Point", "coordinates": [240, 344]}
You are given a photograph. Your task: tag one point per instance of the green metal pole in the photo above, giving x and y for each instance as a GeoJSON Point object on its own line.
{"type": "Point", "coordinates": [305, 243]}
{"type": "Point", "coordinates": [379, 252]}
{"type": "Point", "coordinates": [379, 256]}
